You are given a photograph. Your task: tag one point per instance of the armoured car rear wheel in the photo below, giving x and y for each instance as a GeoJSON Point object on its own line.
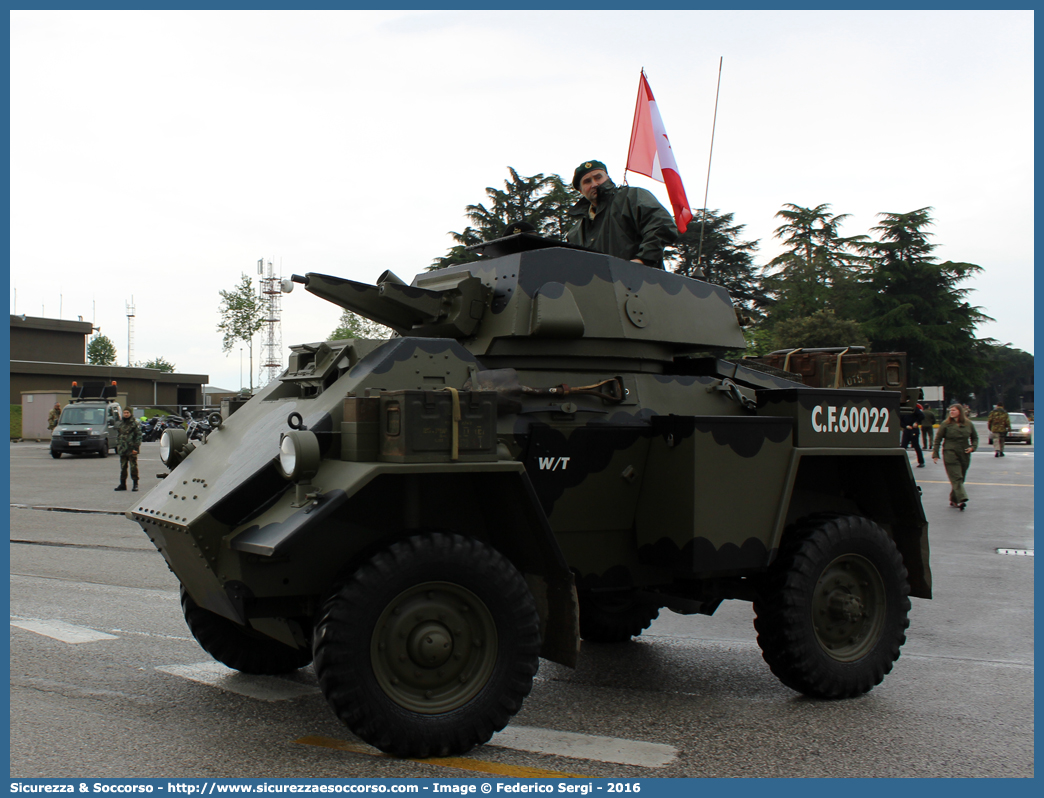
{"type": "Point", "coordinates": [614, 617]}
{"type": "Point", "coordinates": [430, 647]}
{"type": "Point", "coordinates": [240, 648]}
{"type": "Point", "coordinates": [832, 613]}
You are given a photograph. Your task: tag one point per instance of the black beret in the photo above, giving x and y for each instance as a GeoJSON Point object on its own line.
{"type": "Point", "coordinates": [584, 168]}
{"type": "Point", "coordinates": [518, 227]}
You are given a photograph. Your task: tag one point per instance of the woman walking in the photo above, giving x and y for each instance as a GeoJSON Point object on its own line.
{"type": "Point", "coordinates": [958, 439]}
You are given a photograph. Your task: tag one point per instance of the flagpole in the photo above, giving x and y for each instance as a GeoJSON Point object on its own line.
{"type": "Point", "coordinates": [631, 142]}
{"type": "Point", "coordinates": [706, 190]}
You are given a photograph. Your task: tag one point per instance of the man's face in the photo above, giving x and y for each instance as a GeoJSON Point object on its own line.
{"type": "Point", "coordinates": [591, 181]}
{"type": "Point", "coordinates": [126, 414]}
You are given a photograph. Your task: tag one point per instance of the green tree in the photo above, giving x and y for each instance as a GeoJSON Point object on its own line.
{"type": "Point", "coordinates": [542, 201]}
{"type": "Point", "coordinates": [101, 351]}
{"type": "Point", "coordinates": [242, 313]}
{"type": "Point", "coordinates": [158, 363]}
{"type": "Point", "coordinates": [1009, 372]}
{"type": "Point", "coordinates": [822, 328]}
{"type": "Point", "coordinates": [352, 325]}
{"type": "Point", "coordinates": [725, 260]}
{"type": "Point", "coordinates": [819, 268]}
{"type": "Point", "coordinates": [915, 305]}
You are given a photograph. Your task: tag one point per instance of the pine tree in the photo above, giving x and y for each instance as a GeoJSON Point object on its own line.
{"type": "Point", "coordinates": [915, 305]}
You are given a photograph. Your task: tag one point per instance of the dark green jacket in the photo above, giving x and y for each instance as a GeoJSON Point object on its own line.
{"type": "Point", "coordinates": [629, 223]}
{"type": "Point", "coordinates": [128, 436]}
{"type": "Point", "coordinates": [955, 438]}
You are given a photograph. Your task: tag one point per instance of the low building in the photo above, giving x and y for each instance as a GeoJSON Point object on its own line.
{"type": "Point", "coordinates": [47, 355]}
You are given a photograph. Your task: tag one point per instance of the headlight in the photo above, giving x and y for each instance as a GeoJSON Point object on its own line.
{"type": "Point", "coordinates": [174, 447]}
{"type": "Point", "coordinates": [299, 455]}
{"type": "Point", "coordinates": [1026, 430]}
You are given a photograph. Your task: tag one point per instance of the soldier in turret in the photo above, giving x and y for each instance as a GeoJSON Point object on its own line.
{"type": "Point", "coordinates": [623, 221]}
{"type": "Point", "coordinates": [128, 442]}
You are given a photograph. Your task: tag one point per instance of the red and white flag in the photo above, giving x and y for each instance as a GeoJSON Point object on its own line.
{"type": "Point", "coordinates": [650, 153]}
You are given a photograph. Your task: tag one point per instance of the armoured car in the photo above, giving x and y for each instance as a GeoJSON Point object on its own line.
{"type": "Point", "coordinates": [550, 449]}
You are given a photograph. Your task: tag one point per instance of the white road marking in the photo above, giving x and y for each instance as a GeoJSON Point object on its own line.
{"type": "Point", "coordinates": [519, 738]}
{"type": "Point", "coordinates": [585, 746]}
{"type": "Point", "coordinates": [264, 688]}
{"type": "Point", "coordinates": [66, 632]}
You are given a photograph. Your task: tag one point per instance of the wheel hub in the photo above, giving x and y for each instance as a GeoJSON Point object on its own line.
{"type": "Point", "coordinates": [848, 608]}
{"type": "Point", "coordinates": [845, 607]}
{"type": "Point", "coordinates": [434, 647]}
{"type": "Point", "coordinates": [430, 644]}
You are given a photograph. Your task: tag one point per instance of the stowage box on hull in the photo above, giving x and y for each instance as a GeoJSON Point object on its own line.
{"type": "Point", "coordinates": [438, 426]}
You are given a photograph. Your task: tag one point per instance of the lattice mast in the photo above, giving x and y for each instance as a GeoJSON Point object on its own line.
{"type": "Point", "coordinates": [130, 331]}
{"type": "Point", "coordinates": [272, 346]}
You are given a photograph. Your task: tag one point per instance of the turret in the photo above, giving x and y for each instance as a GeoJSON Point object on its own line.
{"type": "Point", "coordinates": [538, 298]}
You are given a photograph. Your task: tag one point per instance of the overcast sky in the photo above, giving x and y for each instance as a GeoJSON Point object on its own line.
{"type": "Point", "coordinates": [159, 155]}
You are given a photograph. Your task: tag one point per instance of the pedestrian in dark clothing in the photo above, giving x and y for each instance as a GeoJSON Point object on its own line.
{"type": "Point", "coordinates": [928, 428]}
{"type": "Point", "coordinates": [911, 423]}
{"type": "Point", "coordinates": [622, 221]}
{"type": "Point", "coordinates": [958, 439]}
{"type": "Point", "coordinates": [128, 442]}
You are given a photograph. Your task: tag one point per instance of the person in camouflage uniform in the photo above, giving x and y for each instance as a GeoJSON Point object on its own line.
{"type": "Point", "coordinates": [958, 439]}
{"type": "Point", "coordinates": [999, 425]}
{"type": "Point", "coordinates": [128, 442]}
{"type": "Point", "coordinates": [623, 221]}
{"type": "Point", "coordinates": [54, 415]}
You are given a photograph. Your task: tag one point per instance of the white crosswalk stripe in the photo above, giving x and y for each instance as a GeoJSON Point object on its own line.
{"type": "Point", "coordinates": [264, 688]}
{"type": "Point", "coordinates": [59, 630]}
{"type": "Point", "coordinates": [585, 746]}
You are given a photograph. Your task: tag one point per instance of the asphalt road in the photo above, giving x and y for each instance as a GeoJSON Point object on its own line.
{"type": "Point", "coordinates": [107, 682]}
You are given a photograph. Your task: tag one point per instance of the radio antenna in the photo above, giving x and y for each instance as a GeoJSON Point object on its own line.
{"type": "Point", "coordinates": [706, 190]}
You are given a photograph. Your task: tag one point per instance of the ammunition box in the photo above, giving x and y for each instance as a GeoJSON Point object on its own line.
{"type": "Point", "coordinates": [360, 429]}
{"type": "Point", "coordinates": [417, 427]}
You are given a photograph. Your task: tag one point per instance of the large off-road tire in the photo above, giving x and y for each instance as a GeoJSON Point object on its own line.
{"type": "Point", "coordinates": [614, 617]}
{"type": "Point", "coordinates": [832, 613]}
{"type": "Point", "coordinates": [240, 648]}
{"type": "Point", "coordinates": [429, 647]}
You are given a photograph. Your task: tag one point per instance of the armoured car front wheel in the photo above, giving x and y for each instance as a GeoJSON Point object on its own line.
{"type": "Point", "coordinates": [614, 617]}
{"type": "Point", "coordinates": [56, 455]}
{"type": "Point", "coordinates": [430, 647]}
{"type": "Point", "coordinates": [832, 613]}
{"type": "Point", "coordinates": [240, 648]}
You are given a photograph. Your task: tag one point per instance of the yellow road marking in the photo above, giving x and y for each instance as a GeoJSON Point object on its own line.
{"type": "Point", "coordinates": [460, 763]}
{"type": "Point", "coordinates": [987, 484]}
